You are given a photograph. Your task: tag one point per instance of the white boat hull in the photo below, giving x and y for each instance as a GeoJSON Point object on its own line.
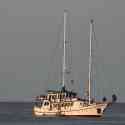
{"type": "Point", "coordinates": [94, 110]}
{"type": "Point", "coordinates": [38, 111]}
{"type": "Point", "coordinates": [86, 111]}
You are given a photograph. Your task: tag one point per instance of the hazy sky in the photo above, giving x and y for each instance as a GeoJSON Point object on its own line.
{"type": "Point", "coordinates": [29, 57]}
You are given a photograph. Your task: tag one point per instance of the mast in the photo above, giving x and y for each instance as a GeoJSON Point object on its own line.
{"type": "Point", "coordinates": [90, 58]}
{"type": "Point", "coordinates": [64, 49]}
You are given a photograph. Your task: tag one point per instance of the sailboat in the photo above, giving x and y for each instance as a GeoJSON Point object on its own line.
{"type": "Point", "coordinates": [67, 103]}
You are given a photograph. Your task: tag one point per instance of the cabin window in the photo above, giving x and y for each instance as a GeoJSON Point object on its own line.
{"type": "Point", "coordinates": [46, 103]}
{"type": "Point", "coordinates": [54, 105]}
{"type": "Point", "coordinates": [71, 103]}
{"type": "Point", "coordinates": [62, 105]}
{"type": "Point", "coordinates": [38, 103]}
{"type": "Point", "coordinates": [49, 97]}
{"type": "Point", "coordinates": [53, 97]}
{"type": "Point", "coordinates": [81, 104]}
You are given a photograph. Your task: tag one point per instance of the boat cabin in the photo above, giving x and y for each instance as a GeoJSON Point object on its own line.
{"type": "Point", "coordinates": [55, 95]}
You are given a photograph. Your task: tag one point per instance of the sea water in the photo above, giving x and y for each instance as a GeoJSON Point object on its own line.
{"type": "Point", "coordinates": [20, 113]}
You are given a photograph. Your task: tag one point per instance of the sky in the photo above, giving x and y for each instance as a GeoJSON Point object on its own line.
{"type": "Point", "coordinates": [31, 36]}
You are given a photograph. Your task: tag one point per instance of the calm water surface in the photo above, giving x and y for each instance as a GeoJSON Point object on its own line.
{"type": "Point", "coordinates": [21, 114]}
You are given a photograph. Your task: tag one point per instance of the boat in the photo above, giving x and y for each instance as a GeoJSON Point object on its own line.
{"type": "Point", "coordinates": [64, 102]}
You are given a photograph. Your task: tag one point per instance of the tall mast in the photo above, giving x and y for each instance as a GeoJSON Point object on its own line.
{"type": "Point", "coordinates": [64, 47]}
{"type": "Point", "coordinates": [90, 58]}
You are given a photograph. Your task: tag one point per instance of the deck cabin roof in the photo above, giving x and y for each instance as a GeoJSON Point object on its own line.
{"type": "Point", "coordinates": [53, 91]}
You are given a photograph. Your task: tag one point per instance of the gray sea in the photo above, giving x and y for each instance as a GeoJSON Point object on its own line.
{"type": "Point", "coordinates": [20, 113]}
